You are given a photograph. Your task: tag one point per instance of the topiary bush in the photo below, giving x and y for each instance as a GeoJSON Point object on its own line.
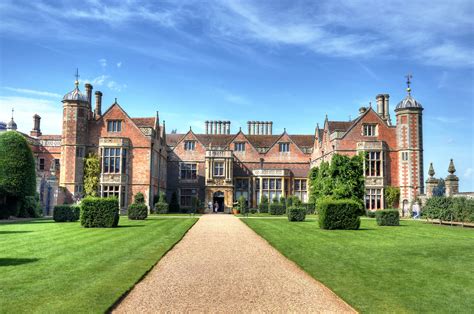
{"type": "Point", "coordinates": [66, 213]}
{"type": "Point", "coordinates": [253, 210]}
{"type": "Point", "coordinates": [243, 205]}
{"type": "Point", "coordinates": [161, 208]}
{"type": "Point", "coordinates": [99, 212]}
{"type": "Point", "coordinates": [296, 213]}
{"type": "Point", "coordinates": [339, 214]}
{"type": "Point", "coordinates": [174, 204]}
{"type": "Point", "coordinates": [139, 198]}
{"type": "Point", "coordinates": [263, 206]}
{"type": "Point", "coordinates": [137, 211]}
{"type": "Point", "coordinates": [388, 217]}
{"type": "Point", "coordinates": [310, 208]}
{"type": "Point", "coordinates": [277, 209]}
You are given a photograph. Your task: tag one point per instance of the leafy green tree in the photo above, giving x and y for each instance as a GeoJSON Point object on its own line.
{"type": "Point", "coordinates": [343, 178]}
{"type": "Point", "coordinates": [91, 175]}
{"type": "Point", "coordinates": [392, 196]}
{"type": "Point", "coordinates": [17, 173]}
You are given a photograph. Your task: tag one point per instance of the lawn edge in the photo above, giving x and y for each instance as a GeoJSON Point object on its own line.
{"type": "Point", "coordinates": [301, 268]}
{"type": "Point", "coordinates": [114, 305]}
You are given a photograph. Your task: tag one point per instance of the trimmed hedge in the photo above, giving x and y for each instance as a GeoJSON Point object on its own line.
{"type": "Point", "coordinates": [459, 209]}
{"type": "Point", "coordinates": [388, 217]}
{"type": "Point", "coordinates": [161, 208]}
{"type": "Point", "coordinates": [297, 213]}
{"type": "Point", "coordinates": [63, 213]}
{"type": "Point", "coordinates": [253, 210]}
{"type": "Point", "coordinates": [99, 212]}
{"type": "Point", "coordinates": [339, 214]}
{"type": "Point", "coordinates": [310, 208]}
{"type": "Point", "coordinates": [370, 214]}
{"type": "Point", "coordinates": [263, 208]}
{"type": "Point", "coordinates": [137, 211]}
{"type": "Point", "coordinates": [277, 209]}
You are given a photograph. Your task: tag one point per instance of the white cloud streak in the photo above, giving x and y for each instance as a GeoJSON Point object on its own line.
{"type": "Point", "coordinates": [31, 92]}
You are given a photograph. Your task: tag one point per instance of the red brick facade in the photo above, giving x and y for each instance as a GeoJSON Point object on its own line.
{"type": "Point", "coordinates": [217, 167]}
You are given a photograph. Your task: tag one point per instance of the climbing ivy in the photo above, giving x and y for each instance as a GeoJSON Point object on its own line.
{"type": "Point", "coordinates": [91, 175]}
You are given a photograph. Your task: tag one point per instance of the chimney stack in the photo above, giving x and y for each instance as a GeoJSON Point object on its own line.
{"type": "Point", "coordinates": [386, 109]}
{"type": "Point", "coordinates": [98, 104]}
{"type": "Point", "coordinates": [89, 99]}
{"type": "Point", "coordinates": [266, 127]}
{"type": "Point", "coordinates": [271, 127]}
{"type": "Point", "coordinates": [228, 127]}
{"type": "Point", "coordinates": [380, 105]}
{"type": "Point", "coordinates": [36, 126]}
{"type": "Point", "coordinates": [248, 127]}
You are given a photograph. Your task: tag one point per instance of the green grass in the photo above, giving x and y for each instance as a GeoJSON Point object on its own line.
{"type": "Point", "coordinates": [260, 215]}
{"type": "Point", "coordinates": [416, 267]}
{"type": "Point", "coordinates": [52, 267]}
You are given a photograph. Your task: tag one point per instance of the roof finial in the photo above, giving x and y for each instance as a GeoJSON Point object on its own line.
{"type": "Point", "coordinates": [115, 100]}
{"type": "Point", "coordinates": [431, 171]}
{"type": "Point", "coordinates": [370, 104]}
{"type": "Point", "coordinates": [451, 168]}
{"type": "Point", "coordinates": [409, 77]}
{"type": "Point", "coordinates": [13, 110]}
{"type": "Point", "coordinates": [77, 78]}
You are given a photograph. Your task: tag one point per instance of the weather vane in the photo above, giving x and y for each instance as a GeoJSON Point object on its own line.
{"type": "Point", "coordinates": [77, 77]}
{"type": "Point", "coordinates": [409, 77]}
{"type": "Point", "coordinates": [13, 110]}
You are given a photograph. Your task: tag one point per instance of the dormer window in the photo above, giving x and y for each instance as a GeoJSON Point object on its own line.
{"type": "Point", "coordinates": [284, 147]}
{"type": "Point", "coordinates": [369, 129]}
{"type": "Point", "coordinates": [189, 145]}
{"type": "Point", "coordinates": [239, 147]}
{"type": "Point", "coordinates": [114, 126]}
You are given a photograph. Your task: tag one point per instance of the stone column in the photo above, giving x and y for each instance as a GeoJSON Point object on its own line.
{"type": "Point", "coordinates": [431, 182]}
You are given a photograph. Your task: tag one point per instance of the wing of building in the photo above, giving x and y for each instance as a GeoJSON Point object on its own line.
{"type": "Point", "coordinates": [219, 166]}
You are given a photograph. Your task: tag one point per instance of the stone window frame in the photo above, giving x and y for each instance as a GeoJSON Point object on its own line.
{"type": "Point", "coordinates": [106, 159]}
{"type": "Point", "coordinates": [267, 188]}
{"type": "Point", "coordinates": [193, 169]}
{"type": "Point", "coordinates": [373, 198]}
{"type": "Point", "coordinates": [284, 147]}
{"type": "Point", "coordinates": [302, 194]}
{"type": "Point", "coordinates": [57, 164]}
{"type": "Point", "coordinates": [373, 164]}
{"type": "Point", "coordinates": [218, 169]}
{"type": "Point", "coordinates": [185, 199]}
{"type": "Point", "coordinates": [404, 156]}
{"type": "Point", "coordinates": [370, 129]}
{"type": "Point", "coordinates": [114, 126]}
{"type": "Point", "coordinates": [41, 163]}
{"type": "Point", "coordinates": [189, 145]}
{"type": "Point", "coordinates": [238, 191]}
{"type": "Point", "coordinates": [239, 146]}
{"type": "Point", "coordinates": [114, 190]}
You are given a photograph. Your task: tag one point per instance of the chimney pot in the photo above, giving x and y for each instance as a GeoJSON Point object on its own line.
{"type": "Point", "coordinates": [98, 104]}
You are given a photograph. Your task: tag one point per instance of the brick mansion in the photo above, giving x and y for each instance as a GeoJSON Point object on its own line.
{"type": "Point", "coordinates": [138, 155]}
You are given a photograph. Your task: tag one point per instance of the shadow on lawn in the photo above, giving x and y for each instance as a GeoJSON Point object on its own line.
{"type": "Point", "coordinates": [8, 232]}
{"type": "Point", "coordinates": [16, 261]}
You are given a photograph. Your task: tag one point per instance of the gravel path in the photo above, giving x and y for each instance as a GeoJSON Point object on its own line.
{"type": "Point", "coordinates": [221, 265]}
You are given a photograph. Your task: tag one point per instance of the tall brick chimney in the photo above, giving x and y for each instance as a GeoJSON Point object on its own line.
{"type": "Point", "coordinates": [36, 126]}
{"type": "Point", "coordinates": [98, 104]}
{"type": "Point", "coordinates": [89, 99]}
{"type": "Point", "coordinates": [380, 105]}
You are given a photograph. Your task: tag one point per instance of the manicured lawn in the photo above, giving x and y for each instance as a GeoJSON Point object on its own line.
{"type": "Point", "coordinates": [60, 267]}
{"type": "Point", "coordinates": [416, 267]}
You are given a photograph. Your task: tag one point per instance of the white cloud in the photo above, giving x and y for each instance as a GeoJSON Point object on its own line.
{"type": "Point", "coordinates": [31, 92]}
{"type": "Point", "coordinates": [116, 86]}
{"type": "Point", "coordinates": [468, 173]}
{"type": "Point", "coordinates": [119, 64]}
{"type": "Point", "coordinates": [50, 112]}
{"type": "Point", "coordinates": [103, 63]}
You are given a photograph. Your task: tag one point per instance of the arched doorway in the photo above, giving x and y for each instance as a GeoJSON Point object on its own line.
{"type": "Point", "coordinates": [218, 198]}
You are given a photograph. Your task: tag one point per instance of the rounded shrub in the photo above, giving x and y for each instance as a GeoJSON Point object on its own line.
{"type": "Point", "coordinates": [64, 213]}
{"type": "Point", "coordinates": [339, 214]}
{"type": "Point", "coordinates": [137, 211]}
{"type": "Point", "coordinates": [296, 213]}
{"type": "Point", "coordinates": [263, 206]}
{"type": "Point", "coordinates": [161, 208]}
{"type": "Point", "coordinates": [139, 198]}
{"type": "Point", "coordinates": [387, 217]}
{"type": "Point", "coordinates": [99, 212]}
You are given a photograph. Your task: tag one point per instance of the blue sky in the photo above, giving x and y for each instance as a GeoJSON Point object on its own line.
{"type": "Point", "coordinates": [286, 61]}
